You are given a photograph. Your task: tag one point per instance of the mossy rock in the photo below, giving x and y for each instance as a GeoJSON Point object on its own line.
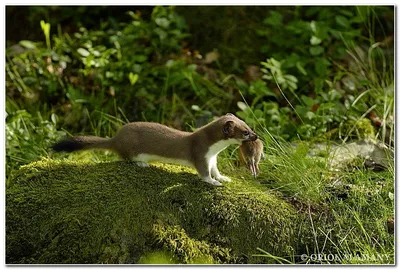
{"type": "Point", "coordinates": [360, 129]}
{"type": "Point", "coordinates": [61, 212]}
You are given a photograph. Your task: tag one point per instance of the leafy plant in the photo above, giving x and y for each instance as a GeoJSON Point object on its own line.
{"type": "Point", "coordinates": [327, 80]}
{"type": "Point", "coordinates": [28, 138]}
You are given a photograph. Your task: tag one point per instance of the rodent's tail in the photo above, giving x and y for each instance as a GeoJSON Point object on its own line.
{"type": "Point", "coordinates": [77, 143]}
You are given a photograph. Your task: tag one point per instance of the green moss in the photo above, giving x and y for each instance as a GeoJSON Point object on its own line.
{"type": "Point", "coordinates": [361, 129]}
{"type": "Point", "coordinates": [74, 212]}
{"type": "Point", "coordinates": [188, 250]}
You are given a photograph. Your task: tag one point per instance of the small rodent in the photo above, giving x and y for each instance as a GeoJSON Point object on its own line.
{"type": "Point", "coordinates": [250, 154]}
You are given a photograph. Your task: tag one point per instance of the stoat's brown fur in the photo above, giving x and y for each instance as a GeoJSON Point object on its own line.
{"type": "Point", "coordinates": [146, 142]}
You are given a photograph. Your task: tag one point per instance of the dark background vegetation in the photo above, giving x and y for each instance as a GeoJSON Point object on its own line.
{"type": "Point", "coordinates": [300, 72]}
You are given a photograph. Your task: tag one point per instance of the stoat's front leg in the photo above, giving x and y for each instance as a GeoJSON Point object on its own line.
{"type": "Point", "coordinates": [215, 172]}
{"type": "Point", "coordinates": [211, 181]}
{"type": "Point", "coordinates": [204, 169]}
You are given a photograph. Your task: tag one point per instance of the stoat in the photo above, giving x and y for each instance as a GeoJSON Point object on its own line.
{"type": "Point", "coordinates": [145, 142]}
{"type": "Point", "coordinates": [250, 153]}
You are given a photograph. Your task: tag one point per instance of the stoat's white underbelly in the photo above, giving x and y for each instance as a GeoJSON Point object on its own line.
{"type": "Point", "coordinates": [210, 156]}
{"type": "Point", "coordinates": [154, 158]}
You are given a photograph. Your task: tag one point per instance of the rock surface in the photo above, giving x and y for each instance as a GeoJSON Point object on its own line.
{"type": "Point", "coordinates": [371, 154]}
{"type": "Point", "coordinates": [61, 212]}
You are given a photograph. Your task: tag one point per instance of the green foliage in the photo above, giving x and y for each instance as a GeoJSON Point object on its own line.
{"type": "Point", "coordinates": [358, 129]}
{"type": "Point", "coordinates": [28, 137]}
{"type": "Point", "coordinates": [140, 70]}
{"type": "Point", "coordinates": [46, 30]}
{"type": "Point", "coordinates": [363, 215]}
{"type": "Point", "coordinates": [273, 72]}
{"type": "Point", "coordinates": [347, 211]}
{"type": "Point", "coordinates": [331, 75]}
{"type": "Point", "coordinates": [291, 169]}
{"type": "Point", "coordinates": [135, 71]}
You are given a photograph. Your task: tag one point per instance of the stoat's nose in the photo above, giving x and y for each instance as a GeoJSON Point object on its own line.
{"type": "Point", "coordinates": [254, 137]}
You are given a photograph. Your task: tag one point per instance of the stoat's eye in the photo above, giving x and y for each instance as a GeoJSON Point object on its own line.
{"type": "Point", "coordinates": [246, 133]}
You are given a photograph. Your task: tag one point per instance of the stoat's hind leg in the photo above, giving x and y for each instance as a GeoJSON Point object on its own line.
{"type": "Point", "coordinates": [137, 163]}
{"type": "Point", "coordinates": [142, 164]}
{"type": "Point", "coordinates": [124, 154]}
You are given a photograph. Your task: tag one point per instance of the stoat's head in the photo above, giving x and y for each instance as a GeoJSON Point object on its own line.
{"type": "Point", "coordinates": [234, 128]}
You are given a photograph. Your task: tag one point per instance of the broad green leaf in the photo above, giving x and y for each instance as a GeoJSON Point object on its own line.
{"type": "Point", "coordinates": [133, 15]}
{"type": "Point", "coordinates": [27, 44]}
{"type": "Point", "coordinates": [321, 65]}
{"type": "Point", "coordinates": [258, 113]}
{"type": "Point", "coordinates": [275, 63]}
{"type": "Point", "coordinates": [140, 58]}
{"type": "Point", "coordinates": [317, 50]}
{"type": "Point", "coordinates": [242, 105]}
{"type": "Point", "coordinates": [315, 40]}
{"type": "Point", "coordinates": [313, 26]}
{"type": "Point", "coordinates": [310, 115]}
{"type": "Point", "coordinates": [133, 78]}
{"type": "Point", "coordinates": [319, 83]}
{"type": "Point", "coordinates": [242, 115]}
{"type": "Point", "coordinates": [342, 21]}
{"type": "Point", "coordinates": [334, 95]}
{"type": "Point", "coordinates": [347, 12]}
{"type": "Point", "coordinates": [307, 100]}
{"type": "Point", "coordinates": [301, 68]}
{"type": "Point", "coordinates": [161, 33]}
{"type": "Point", "coordinates": [83, 52]}
{"type": "Point", "coordinates": [163, 22]}
{"type": "Point", "coordinates": [292, 85]}
{"type": "Point", "coordinates": [326, 106]}
{"type": "Point", "coordinates": [46, 30]}
{"type": "Point", "coordinates": [275, 18]}
{"type": "Point", "coordinates": [196, 108]}
{"type": "Point", "coordinates": [45, 27]}
{"type": "Point", "coordinates": [291, 78]}
{"type": "Point", "coordinates": [54, 118]}
{"type": "Point", "coordinates": [291, 60]}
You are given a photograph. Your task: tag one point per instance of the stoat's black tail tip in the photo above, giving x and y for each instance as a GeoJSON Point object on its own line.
{"type": "Point", "coordinates": [68, 145]}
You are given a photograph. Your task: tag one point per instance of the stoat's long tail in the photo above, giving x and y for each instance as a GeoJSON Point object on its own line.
{"type": "Point", "coordinates": [81, 143]}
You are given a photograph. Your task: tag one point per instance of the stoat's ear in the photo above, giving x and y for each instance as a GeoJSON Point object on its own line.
{"type": "Point", "coordinates": [229, 114]}
{"type": "Point", "coordinates": [228, 129]}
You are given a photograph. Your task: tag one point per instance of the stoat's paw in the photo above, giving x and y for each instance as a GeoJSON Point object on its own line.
{"type": "Point", "coordinates": [212, 181]}
{"type": "Point", "coordinates": [142, 164]}
{"type": "Point", "coordinates": [224, 178]}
